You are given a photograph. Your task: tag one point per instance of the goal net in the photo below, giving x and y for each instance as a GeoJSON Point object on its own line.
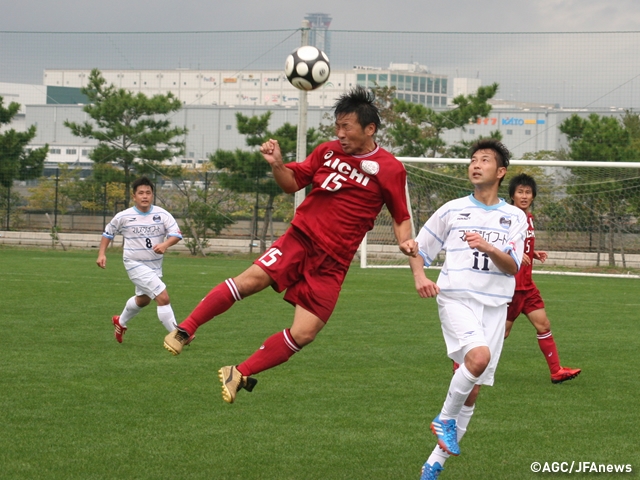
{"type": "Point", "coordinates": [586, 213]}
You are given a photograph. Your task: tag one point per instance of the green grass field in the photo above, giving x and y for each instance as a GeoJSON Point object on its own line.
{"type": "Point", "coordinates": [355, 404]}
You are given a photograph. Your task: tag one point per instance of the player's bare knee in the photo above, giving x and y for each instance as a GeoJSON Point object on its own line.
{"type": "Point", "coordinates": [252, 280]}
{"type": "Point", "coordinates": [163, 299]}
{"type": "Point", "coordinates": [544, 325]}
{"type": "Point", "coordinates": [142, 301]}
{"type": "Point", "coordinates": [540, 321]}
{"type": "Point", "coordinates": [303, 338]}
{"type": "Point", "coordinates": [477, 360]}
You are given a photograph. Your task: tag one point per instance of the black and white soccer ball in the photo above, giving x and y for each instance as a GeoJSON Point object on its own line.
{"type": "Point", "coordinates": [307, 68]}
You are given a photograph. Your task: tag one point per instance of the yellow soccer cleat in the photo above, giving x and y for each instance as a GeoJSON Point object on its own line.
{"type": "Point", "coordinates": [177, 339]}
{"type": "Point", "coordinates": [232, 381]}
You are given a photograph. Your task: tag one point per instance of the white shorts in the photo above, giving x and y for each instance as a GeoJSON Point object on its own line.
{"type": "Point", "coordinates": [147, 282]}
{"type": "Point", "coordinates": [466, 324]}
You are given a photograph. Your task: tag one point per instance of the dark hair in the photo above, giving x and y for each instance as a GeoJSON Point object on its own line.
{"type": "Point", "coordinates": [502, 154]}
{"type": "Point", "coordinates": [523, 180]}
{"type": "Point", "coordinates": [361, 102]}
{"type": "Point", "coordinates": [139, 182]}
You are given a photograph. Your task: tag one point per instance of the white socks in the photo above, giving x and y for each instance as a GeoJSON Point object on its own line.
{"type": "Point", "coordinates": [166, 316]}
{"type": "Point", "coordinates": [459, 389]}
{"type": "Point", "coordinates": [439, 455]}
{"type": "Point", "coordinates": [463, 420]}
{"type": "Point", "coordinates": [131, 309]}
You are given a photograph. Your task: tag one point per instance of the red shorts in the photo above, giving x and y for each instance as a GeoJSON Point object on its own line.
{"type": "Point", "coordinates": [312, 278]}
{"type": "Point", "coordinates": [524, 301]}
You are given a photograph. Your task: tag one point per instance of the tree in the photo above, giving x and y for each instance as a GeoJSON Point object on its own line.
{"type": "Point", "coordinates": [247, 172]}
{"type": "Point", "coordinates": [603, 139]}
{"type": "Point", "coordinates": [413, 130]}
{"type": "Point", "coordinates": [52, 193]}
{"type": "Point", "coordinates": [417, 130]}
{"type": "Point", "coordinates": [203, 215]}
{"type": "Point", "coordinates": [202, 206]}
{"type": "Point", "coordinates": [133, 131]}
{"type": "Point", "coordinates": [631, 122]}
{"type": "Point", "coordinates": [17, 162]}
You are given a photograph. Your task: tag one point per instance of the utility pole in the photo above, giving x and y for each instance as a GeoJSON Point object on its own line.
{"type": "Point", "coordinates": [301, 152]}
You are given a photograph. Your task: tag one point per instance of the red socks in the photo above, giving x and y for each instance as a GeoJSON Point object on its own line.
{"type": "Point", "coordinates": [276, 349]}
{"type": "Point", "coordinates": [548, 348]}
{"type": "Point", "coordinates": [217, 301]}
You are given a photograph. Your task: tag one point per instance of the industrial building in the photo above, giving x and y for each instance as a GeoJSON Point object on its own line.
{"type": "Point", "coordinates": [211, 100]}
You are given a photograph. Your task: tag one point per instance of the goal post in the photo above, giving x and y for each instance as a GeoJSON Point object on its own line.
{"type": "Point", "coordinates": [363, 245]}
{"type": "Point", "coordinates": [587, 214]}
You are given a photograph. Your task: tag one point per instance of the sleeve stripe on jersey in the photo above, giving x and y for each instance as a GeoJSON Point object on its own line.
{"type": "Point", "coordinates": [513, 255]}
{"type": "Point", "coordinates": [427, 261]}
{"type": "Point", "coordinates": [430, 232]}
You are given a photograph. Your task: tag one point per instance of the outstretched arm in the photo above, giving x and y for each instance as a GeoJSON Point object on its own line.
{"type": "Point", "coordinates": [283, 176]}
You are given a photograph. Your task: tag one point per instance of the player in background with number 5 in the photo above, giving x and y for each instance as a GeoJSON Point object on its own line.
{"type": "Point", "coordinates": [483, 237]}
{"type": "Point", "coordinates": [527, 299]}
{"type": "Point", "coordinates": [351, 179]}
{"type": "Point", "coordinates": [148, 232]}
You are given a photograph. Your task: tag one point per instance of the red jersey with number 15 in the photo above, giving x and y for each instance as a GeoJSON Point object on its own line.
{"type": "Point", "coordinates": [524, 277]}
{"type": "Point", "coordinates": [347, 194]}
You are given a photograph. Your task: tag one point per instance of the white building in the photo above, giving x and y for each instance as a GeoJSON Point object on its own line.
{"type": "Point", "coordinates": [263, 88]}
{"type": "Point", "coordinates": [210, 127]}
{"type": "Point", "coordinates": [211, 100]}
{"type": "Point", "coordinates": [213, 127]}
{"type": "Point", "coordinates": [22, 94]}
{"type": "Point", "coordinates": [465, 86]}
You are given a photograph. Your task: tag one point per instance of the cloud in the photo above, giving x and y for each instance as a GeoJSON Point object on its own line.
{"type": "Point", "coordinates": [371, 15]}
{"type": "Point", "coordinates": [587, 15]}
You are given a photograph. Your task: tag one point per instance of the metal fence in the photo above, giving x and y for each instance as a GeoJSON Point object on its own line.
{"type": "Point", "coordinates": [543, 78]}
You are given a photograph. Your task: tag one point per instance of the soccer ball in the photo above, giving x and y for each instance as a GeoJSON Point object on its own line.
{"type": "Point", "coordinates": [307, 68]}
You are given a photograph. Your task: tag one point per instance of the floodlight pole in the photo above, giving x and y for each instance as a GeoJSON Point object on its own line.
{"type": "Point", "coordinates": [301, 152]}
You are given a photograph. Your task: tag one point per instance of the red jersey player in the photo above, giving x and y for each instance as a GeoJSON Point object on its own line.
{"type": "Point", "coordinates": [351, 179]}
{"type": "Point", "coordinates": [526, 298]}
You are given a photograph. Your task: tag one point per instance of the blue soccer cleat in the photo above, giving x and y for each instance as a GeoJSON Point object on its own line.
{"type": "Point", "coordinates": [447, 434]}
{"type": "Point", "coordinates": [431, 472]}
